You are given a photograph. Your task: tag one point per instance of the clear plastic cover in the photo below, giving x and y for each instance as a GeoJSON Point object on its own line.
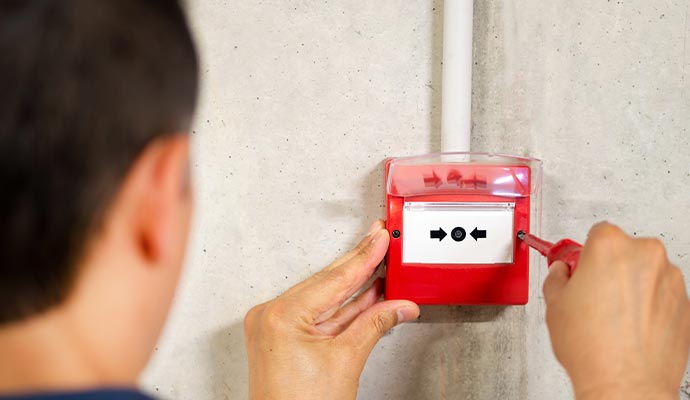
{"type": "Point", "coordinates": [464, 173]}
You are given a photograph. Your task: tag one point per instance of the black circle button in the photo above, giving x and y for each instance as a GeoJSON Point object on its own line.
{"type": "Point", "coordinates": [395, 234]}
{"type": "Point", "coordinates": [458, 234]}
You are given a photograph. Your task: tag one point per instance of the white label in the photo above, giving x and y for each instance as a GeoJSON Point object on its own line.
{"type": "Point", "coordinates": [458, 233]}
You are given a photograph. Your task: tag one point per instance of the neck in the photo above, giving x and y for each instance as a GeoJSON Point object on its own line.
{"type": "Point", "coordinates": [50, 352]}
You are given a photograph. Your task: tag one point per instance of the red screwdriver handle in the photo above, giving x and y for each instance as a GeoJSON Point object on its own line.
{"type": "Point", "coordinates": [565, 250]}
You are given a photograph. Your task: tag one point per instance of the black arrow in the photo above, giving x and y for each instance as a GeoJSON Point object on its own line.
{"type": "Point", "coordinates": [478, 234]}
{"type": "Point", "coordinates": [439, 234]}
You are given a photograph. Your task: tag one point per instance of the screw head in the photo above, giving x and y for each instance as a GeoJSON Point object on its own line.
{"type": "Point", "coordinates": [395, 234]}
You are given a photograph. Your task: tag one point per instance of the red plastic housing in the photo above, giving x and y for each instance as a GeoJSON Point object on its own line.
{"type": "Point", "coordinates": [457, 283]}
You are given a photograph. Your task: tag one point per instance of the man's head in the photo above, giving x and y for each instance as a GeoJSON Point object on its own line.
{"type": "Point", "coordinates": [96, 98]}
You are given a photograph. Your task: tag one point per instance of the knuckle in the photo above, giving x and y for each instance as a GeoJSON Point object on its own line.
{"type": "Point", "coordinates": [382, 322]}
{"type": "Point", "coordinates": [362, 258]}
{"type": "Point", "coordinates": [321, 275]}
{"type": "Point", "coordinates": [656, 248]}
{"type": "Point", "coordinates": [656, 252]}
{"type": "Point", "coordinates": [273, 315]}
{"type": "Point", "coordinates": [604, 229]}
{"type": "Point", "coordinates": [252, 315]}
{"type": "Point", "coordinates": [340, 276]}
{"type": "Point", "coordinates": [361, 248]}
{"type": "Point", "coordinates": [364, 248]}
{"type": "Point", "coordinates": [251, 322]}
{"type": "Point", "coordinates": [603, 236]}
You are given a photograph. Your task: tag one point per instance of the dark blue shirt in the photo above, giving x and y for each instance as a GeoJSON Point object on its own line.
{"type": "Point", "coordinates": [102, 394]}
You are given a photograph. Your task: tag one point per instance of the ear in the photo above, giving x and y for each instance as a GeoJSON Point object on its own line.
{"type": "Point", "coordinates": [157, 199]}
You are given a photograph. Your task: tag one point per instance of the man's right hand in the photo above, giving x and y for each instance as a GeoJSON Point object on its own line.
{"type": "Point", "coordinates": [620, 325]}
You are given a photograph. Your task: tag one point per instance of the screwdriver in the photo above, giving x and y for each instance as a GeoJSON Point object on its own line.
{"type": "Point", "coordinates": [565, 250]}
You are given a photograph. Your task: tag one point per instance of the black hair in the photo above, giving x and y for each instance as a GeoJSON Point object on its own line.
{"type": "Point", "coordinates": [85, 85]}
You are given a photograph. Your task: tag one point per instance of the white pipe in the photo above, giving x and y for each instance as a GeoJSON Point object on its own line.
{"type": "Point", "coordinates": [456, 91]}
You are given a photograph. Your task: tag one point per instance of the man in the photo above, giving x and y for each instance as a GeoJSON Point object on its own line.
{"type": "Point", "coordinates": [96, 98]}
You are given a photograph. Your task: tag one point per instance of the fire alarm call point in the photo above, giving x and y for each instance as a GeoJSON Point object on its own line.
{"type": "Point", "coordinates": [453, 220]}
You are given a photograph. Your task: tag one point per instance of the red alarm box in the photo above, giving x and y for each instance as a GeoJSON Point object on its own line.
{"type": "Point", "coordinates": [453, 220]}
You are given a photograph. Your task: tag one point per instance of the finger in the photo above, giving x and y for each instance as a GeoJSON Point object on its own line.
{"type": "Point", "coordinates": [335, 309]}
{"type": "Point", "coordinates": [602, 237]}
{"type": "Point", "coordinates": [329, 289]}
{"type": "Point", "coordinates": [372, 324]}
{"type": "Point", "coordinates": [345, 315]}
{"type": "Point", "coordinates": [375, 228]}
{"type": "Point", "coordinates": [603, 228]}
{"type": "Point", "coordinates": [605, 243]}
{"type": "Point", "coordinates": [556, 280]}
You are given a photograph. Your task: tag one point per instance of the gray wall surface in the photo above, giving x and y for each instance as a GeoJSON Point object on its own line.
{"type": "Point", "coordinates": [301, 102]}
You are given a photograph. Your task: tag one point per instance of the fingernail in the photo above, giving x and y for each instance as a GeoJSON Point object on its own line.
{"type": "Point", "coordinates": [407, 313]}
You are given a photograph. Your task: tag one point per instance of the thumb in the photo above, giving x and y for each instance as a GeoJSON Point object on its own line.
{"type": "Point", "coordinates": [378, 319]}
{"type": "Point", "coordinates": [556, 280]}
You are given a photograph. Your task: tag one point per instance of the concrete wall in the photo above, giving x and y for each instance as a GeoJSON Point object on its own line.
{"type": "Point", "coordinates": [303, 99]}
